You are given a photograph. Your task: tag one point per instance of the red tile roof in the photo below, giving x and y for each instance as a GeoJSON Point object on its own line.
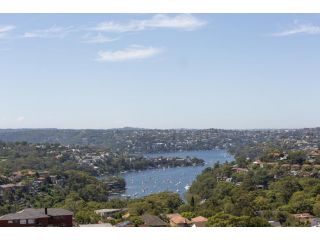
{"type": "Point", "coordinates": [199, 219]}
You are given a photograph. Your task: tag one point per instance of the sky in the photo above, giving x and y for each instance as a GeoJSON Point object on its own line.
{"type": "Point", "coordinates": [99, 71]}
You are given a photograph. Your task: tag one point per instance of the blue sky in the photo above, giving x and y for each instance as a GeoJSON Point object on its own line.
{"type": "Point", "coordinates": [159, 71]}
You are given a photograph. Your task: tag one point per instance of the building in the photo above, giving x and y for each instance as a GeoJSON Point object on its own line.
{"type": "Point", "coordinates": [239, 170]}
{"type": "Point", "coordinates": [153, 221]}
{"type": "Point", "coordinates": [10, 187]}
{"type": "Point", "coordinates": [176, 220]}
{"type": "Point", "coordinates": [125, 224]}
{"type": "Point", "coordinates": [108, 212]}
{"type": "Point", "coordinates": [44, 217]}
{"type": "Point", "coordinates": [304, 217]}
{"type": "Point", "coordinates": [274, 223]}
{"type": "Point", "coordinates": [199, 221]}
{"type": "Point", "coordinates": [96, 225]}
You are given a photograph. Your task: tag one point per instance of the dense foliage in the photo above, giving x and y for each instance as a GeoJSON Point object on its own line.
{"type": "Point", "coordinates": [243, 193]}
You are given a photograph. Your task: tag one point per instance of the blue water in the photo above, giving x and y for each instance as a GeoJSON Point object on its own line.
{"type": "Point", "coordinates": [143, 183]}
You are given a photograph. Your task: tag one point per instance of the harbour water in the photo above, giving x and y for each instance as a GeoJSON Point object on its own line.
{"type": "Point", "coordinates": [178, 179]}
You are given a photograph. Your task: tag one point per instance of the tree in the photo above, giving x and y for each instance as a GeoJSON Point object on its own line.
{"type": "Point", "coordinates": [137, 221]}
{"type": "Point", "coordinates": [192, 204]}
{"type": "Point", "coordinates": [316, 209]}
{"type": "Point", "coordinates": [297, 157]}
{"type": "Point", "coordinates": [227, 220]}
{"type": "Point", "coordinates": [300, 202]}
{"type": "Point", "coordinates": [188, 215]}
{"type": "Point", "coordinates": [86, 217]}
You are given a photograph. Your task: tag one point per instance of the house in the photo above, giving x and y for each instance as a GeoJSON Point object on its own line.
{"type": "Point", "coordinates": [303, 217]}
{"type": "Point", "coordinates": [44, 174]}
{"type": "Point", "coordinates": [258, 163]}
{"type": "Point", "coordinates": [31, 173]}
{"type": "Point", "coordinates": [272, 164]}
{"type": "Point", "coordinates": [30, 217]}
{"type": "Point", "coordinates": [240, 170]}
{"type": "Point", "coordinates": [108, 212]}
{"type": "Point", "coordinates": [153, 221]}
{"type": "Point", "coordinates": [199, 221]}
{"type": "Point", "coordinates": [125, 224]}
{"type": "Point", "coordinates": [229, 180]}
{"type": "Point", "coordinates": [285, 166]}
{"type": "Point", "coordinates": [295, 167]}
{"type": "Point", "coordinates": [315, 154]}
{"type": "Point", "coordinates": [274, 223]}
{"type": "Point", "coordinates": [176, 220]}
{"type": "Point", "coordinates": [16, 176]}
{"type": "Point", "coordinates": [96, 225]}
{"type": "Point", "coordinates": [10, 187]}
{"type": "Point", "coordinates": [315, 222]}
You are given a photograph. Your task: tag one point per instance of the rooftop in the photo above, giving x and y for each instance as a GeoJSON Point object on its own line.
{"type": "Point", "coordinates": [31, 213]}
{"type": "Point", "coordinates": [199, 219]}
{"type": "Point", "coordinates": [96, 225]}
{"type": "Point", "coordinates": [153, 221]}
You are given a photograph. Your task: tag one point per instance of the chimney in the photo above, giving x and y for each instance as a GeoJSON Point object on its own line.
{"type": "Point", "coordinates": [46, 211]}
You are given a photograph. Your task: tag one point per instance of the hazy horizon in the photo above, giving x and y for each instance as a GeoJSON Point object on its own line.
{"type": "Point", "coordinates": [159, 71]}
{"type": "Point", "coordinates": [141, 128]}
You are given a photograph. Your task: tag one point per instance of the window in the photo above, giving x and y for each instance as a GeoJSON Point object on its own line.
{"type": "Point", "coordinates": [23, 221]}
{"type": "Point", "coordinates": [31, 221]}
{"type": "Point", "coordinates": [10, 221]}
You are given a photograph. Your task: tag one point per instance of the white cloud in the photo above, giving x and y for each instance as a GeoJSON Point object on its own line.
{"type": "Point", "coordinates": [98, 38]}
{"type": "Point", "coordinates": [5, 29]}
{"type": "Point", "coordinates": [180, 21]}
{"type": "Point", "coordinates": [133, 52]}
{"type": "Point", "coordinates": [52, 32]}
{"type": "Point", "coordinates": [20, 119]}
{"type": "Point", "coordinates": [299, 29]}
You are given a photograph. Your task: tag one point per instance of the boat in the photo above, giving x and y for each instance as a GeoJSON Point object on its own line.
{"type": "Point", "coordinates": [187, 187]}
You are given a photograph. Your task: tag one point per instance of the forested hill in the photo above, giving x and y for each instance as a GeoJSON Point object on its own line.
{"type": "Point", "coordinates": [155, 140]}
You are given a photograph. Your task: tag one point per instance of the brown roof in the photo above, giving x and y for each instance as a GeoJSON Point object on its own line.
{"type": "Point", "coordinates": [31, 213]}
{"type": "Point", "coordinates": [199, 219]}
{"type": "Point", "coordinates": [24, 214]}
{"type": "Point", "coordinates": [285, 165]}
{"type": "Point", "coordinates": [172, 215]}
{"type": "Point", "coordinates": [295, 165]}
{"type": "Point", "coordinates": [240, 169]}
{"type": "Point", "coordinates": [303, 215]}
{"type": "Point", "coordinates": [6, 186]}
{"type": "Point", "coordinates": [153, 221]}
{"type": "Point", "coordinates": [180, 220]}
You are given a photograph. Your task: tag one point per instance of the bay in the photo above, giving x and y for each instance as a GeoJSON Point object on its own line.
{"type": "Point", "coordinates": [179, 179]}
